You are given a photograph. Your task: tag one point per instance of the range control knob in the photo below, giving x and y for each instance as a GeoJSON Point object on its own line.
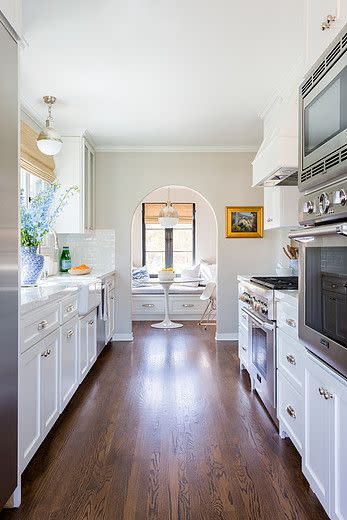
{"type": "Point", "coordinates": [340, 197]}
{"type": "Point", "coordinates": [324, 203]}
{"type": "Point", "coordinates": [308, 207]}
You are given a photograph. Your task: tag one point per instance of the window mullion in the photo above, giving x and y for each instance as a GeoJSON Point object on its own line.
{"type": "Point", "coordinates": [168, 247]}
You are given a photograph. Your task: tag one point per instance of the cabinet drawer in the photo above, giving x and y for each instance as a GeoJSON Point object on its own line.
{"type": "Point", "coordinates": [243, 344]}
{"type": "Point", "coordinates": [38, 324]}
{"type": "Point", "coordinates": [243, 318]}
{"type": "Point", "coordinates": [187, 305]}
{"type": "Point", "coordinates": [148, 305]}
{"type": "Point", "coordinates": [109, 283]}
{"type": "Point", "coordinates": [290, 359]}
{"type": "Point", "coordinates": [287, 318]}
{"type": "Point", "coordinates": [290, 410]}
{"type": "Point", "coordinates": [69, 308]}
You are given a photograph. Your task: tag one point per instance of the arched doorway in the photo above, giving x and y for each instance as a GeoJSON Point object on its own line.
{"type": "Point", "coordinates": [193, 244]}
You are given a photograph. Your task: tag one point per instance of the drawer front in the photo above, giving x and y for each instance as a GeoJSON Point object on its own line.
{"type": "Point", "coordinates": [243, 318]}
{"type": "Point", "coordinates": [290, 359]}
{"type": "Point", "coordinates": [243, 345]}
{"type": "Point", "coordinates": [287, 318]}
{"type": "Point", "coordinates": [69, 308]}
{"type": "Point", "coordinates": [148, 305]}
{"type": "Point", "coordinates": [290, 409]}
{"type": "Point", "coordinates": [38, 324]}
{"type": "Point", "coordinates": [109, 283]}
{"type": "Point", "coordinates": [187, 305]}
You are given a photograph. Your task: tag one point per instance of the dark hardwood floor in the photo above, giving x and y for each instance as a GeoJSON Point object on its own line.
{"type": "Point", "coordinates": [165, 428]}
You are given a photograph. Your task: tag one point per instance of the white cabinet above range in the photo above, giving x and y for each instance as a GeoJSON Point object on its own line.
{"type": "Point", "coordinates": [280, 206]}
{"type": "Point", "coordinates": [75, 166]}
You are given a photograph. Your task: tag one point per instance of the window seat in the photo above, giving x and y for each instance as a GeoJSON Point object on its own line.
{"type": "Point", "coordinates": [174, 289]}
{"type": "Point", "coordinates": [184, 302]}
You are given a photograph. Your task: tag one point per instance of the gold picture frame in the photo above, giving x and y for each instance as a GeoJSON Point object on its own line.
{"type": "Point", "coordinates": [243, 221]}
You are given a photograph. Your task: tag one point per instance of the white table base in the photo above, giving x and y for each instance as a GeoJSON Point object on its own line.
{"type": "Point", "coordinates": [166, 323]}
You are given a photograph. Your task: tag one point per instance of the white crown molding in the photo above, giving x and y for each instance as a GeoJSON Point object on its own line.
{"type": "Point", "coordinates": [188, 149]}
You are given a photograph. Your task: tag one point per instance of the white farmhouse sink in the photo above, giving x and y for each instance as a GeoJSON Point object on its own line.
{"type": "Point", "coordinates": [89, 290]}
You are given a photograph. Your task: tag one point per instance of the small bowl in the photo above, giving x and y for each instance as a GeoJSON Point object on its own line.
{"type": "Point", "coordinates": [79, 272]}
{"type": "Point", "coordinates": [166, 276]}
{"type": "Point", "coordinates": [284, 271]}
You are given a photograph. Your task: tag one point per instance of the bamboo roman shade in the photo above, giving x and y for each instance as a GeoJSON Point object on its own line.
{"type": "Point", "coordinates": [31, 159]}
{"type": "Point", "coordinates": [184, 210]}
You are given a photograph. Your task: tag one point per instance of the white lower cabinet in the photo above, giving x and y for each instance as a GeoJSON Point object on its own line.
{"type": "Point", "coordinates": [87, 343]}
{"type": "Point", "coordinates": [325, 453]}
{"type": "Point", "coordinates": [290, 411]}
{"type": "Point", "coordinates": [68, 361]}
{"type": "Point", "coordinates": [38, 395]}
{"type": "Point", "coordinates": [111, 322]}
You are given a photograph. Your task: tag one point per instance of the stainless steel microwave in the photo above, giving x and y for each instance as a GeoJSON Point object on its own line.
{"type": "Point", "coordinates": [323, 118]}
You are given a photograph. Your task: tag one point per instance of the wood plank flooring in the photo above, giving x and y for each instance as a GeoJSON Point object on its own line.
{"type": "Point", "coordinates": [165, 428]}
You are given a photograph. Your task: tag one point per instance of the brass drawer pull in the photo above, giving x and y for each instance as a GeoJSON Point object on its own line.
{"type": "Point", "coordinates": [244, 348]}
{"type": "Point", "coordinates": [91, 322]}
{"type": "Point", "coordinates": [187, 305]}
{"type": "Point", "coordinates": [112, 298]}
{"type": "Point", "coordinates": [70, 333]}
{"type": "Point", "coordinates": [290, 411]}
{"type": "Point", "coordinates": [291, 359]}
{"type": "Point", "coordinates": [321, 390]}
{"type": "Point", "coordinates": [147, 305]}
{"type": "Point", "coordinates": [70, 308]}
{"type": "Point", "coordinates": [291, 323]}
{"type": "Point", "coordinates": [44, 354]}
{"type": "Point", "coordinates": [48, 352]}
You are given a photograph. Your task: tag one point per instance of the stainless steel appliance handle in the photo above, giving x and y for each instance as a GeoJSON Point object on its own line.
{"type": "Point", "coordinates": [333, 229]}
{"type": "Point", "coordinates": [264, 324]}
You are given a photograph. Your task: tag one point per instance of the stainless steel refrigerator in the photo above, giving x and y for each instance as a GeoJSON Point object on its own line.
{"type": "Point", "coordinates": [8, 264]}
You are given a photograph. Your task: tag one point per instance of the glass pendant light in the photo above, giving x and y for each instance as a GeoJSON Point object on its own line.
{"type": "Point", "coordinates": [49, 141]}
{"type": "Point", "coordinates": [168, 216]}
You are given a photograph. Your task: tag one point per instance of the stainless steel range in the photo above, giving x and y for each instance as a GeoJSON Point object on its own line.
{"type": "Point", "coordinates": [257, 297]}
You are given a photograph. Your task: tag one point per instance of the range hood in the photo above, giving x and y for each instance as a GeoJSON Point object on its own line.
{"type": "Point", "coordinates": [276, 162]}
{"type": "Point", "coordinates": [283, 177]}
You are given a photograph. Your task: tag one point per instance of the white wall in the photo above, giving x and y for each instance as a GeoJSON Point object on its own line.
{"type": "Point", "coordinates": [205, 223]}
{"type": "Point", "coordinates": [124, 179]}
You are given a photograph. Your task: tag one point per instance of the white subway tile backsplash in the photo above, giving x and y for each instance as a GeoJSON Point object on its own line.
{"type": "Point", "coordinates": [96, 249]}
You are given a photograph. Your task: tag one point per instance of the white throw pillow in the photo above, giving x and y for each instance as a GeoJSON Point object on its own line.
{"type": "Point", "coordinates": [189, 274]}
{"type": "Point", "coordinates": [208, 272]}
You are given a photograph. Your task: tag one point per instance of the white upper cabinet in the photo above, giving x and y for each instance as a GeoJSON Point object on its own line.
{"type": "Point", "coordinates": [75, 166]}
{"type": "Point", "coordinates": [11, 11]}
{"type": "Point", "coordinates": [317, 13]}
{"type": "Point", "coordinates": [280, 206]}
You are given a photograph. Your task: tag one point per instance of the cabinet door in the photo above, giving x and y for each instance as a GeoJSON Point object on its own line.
{"type": "Point", "coordinates": [68, 361]}
{"type": "Point", "coordinates": [83, 348]}
{"type": "Point", "coordinates": [318, 422]}
{"type": "Point", "coordinates": [270, 208]}
{"type": "Point", "coordinates": [91, 338]}
{"type": "Point", "coordinates": [111, 314]}
{"type": "Point", "coordinates": [339, 457]}
{"type": "Point", "coordinates": [29, 404]}
{"type": "Point", "coordinates": [49, 382]}
{"type": "Point", "coordinates": [89, 186]}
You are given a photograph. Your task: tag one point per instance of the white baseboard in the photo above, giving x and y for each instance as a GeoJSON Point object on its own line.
{"type": "Point", "coordinates": [122, 337]}
{"type": "Point", "coordinates": [227, 336]}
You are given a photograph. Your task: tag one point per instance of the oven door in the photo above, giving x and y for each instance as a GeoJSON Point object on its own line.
{"type": "Point", "coordinates": [262, 366]}
{"type": "Point", "coordinates": [324, 115]}
{"type": "Point", "coordinates": [323, 293]}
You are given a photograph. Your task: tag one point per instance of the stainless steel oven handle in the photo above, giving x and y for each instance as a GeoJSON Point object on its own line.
{"type": "Point", "coordinates": [333, 229]}
{"type": "Point", "coordinates": [264, 324]}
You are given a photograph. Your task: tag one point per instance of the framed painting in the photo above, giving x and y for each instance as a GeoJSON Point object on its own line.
{"type": "Point", "coordinates": [244, 221]}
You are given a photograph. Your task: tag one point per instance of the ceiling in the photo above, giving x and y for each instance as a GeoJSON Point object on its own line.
{"type": "Point", "coordinates": [158, 72]}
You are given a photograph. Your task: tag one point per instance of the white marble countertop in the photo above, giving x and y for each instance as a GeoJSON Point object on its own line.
{"type": "Point", "coordinates": [56, 287]}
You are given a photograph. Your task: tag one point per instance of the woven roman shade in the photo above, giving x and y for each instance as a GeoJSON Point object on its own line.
{"type": "Point", "coordinates": [184, 210]}
{"type": "Point", "coordinates": [31, 159]}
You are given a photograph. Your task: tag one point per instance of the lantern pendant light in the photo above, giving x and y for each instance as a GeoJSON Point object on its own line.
{"type": "Point", "coordinates": [168, 216]}
{"type": "Point", "coordinates": [49, 141]}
